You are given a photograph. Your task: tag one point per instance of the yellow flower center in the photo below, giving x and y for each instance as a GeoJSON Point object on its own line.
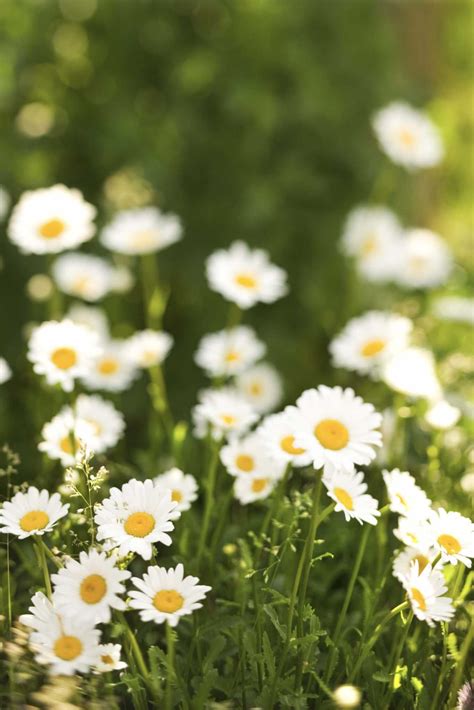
{"type": "Point", "coordinates": [144, 238]}
{"type": "Point", "coordinates": [107, 659]}
{"type": "Point", "coordinates": [93, 589]}
{"type": "Point", "coordinates": [52, 229]}
{"type": "Point", "coordinates": [259, 484]}
{"type": "Point", "coordinates": [81, 284]}
{"type": "Point", "coordinates": [373, 347]}
{"type": "Point", "coordinates": [177, 496]}
{"type": "Point", "coordinates": [148, 357]}
{"type": "Point", "coordinates": [246, 280]}
{"type": "Point", "coordinates": [232, 356]}
{"type": "Point", "coordinates": [66, 445]}
{"type": "Point", "coordinates": [67, 648]}
{"type": "Point", "coordinates": [34, 520]}
{"type": "Point", "coordinates": [228, 419]}
{"type": "Point", "coordinates": [108, 366]}
{"type": "Point", "coordinates": [331, 434]}
{"type": "Point", "coordinates": [256, 389]}
{"type": "Point", "coordinates": [419, 598]}
{"type": "Point", "coordinates": [407, 137]}
{"type": "Point", "coordinates": [344, 498]}
{"type": "Point", "coordinates": [245, 463]}
{"type": "Point", "coordinates": [369, 245]}
{"type": "Point", "coordinates": [288, 445]}
{"type": "Point", "coordinates": [168, 601]}
{"type": "Point", "coordinates": [64, 358]}
{"type": "Point", "coordinates": [139, 524]}
{"type": "Point", "coordinates": [450, 544]}
{"type": "Point", "coordinates": [422, 562]}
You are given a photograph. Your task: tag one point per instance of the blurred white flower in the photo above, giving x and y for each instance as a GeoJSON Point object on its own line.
{"type": "Point", "coordinates": [412, 372]}
{"type": "Point", "coordinates": [113, 370]}
{"type": "Point", "coordinates": [261, 385]}
{"type": "Point", "coordinates": [455, 308]}
{"type": "Point", "coordinates": [5, 371]}
{"type": "Point", "coordinates": [65, 436]}
{"type": "Point", "coordinates": [249, 456]}
{"type": "Point", "coordinates": [248, 489]}
{"type": "Point", "coordinates": [229, 352]}
{"type": "Point", "coordinates": [83, 275]}
{"type": "Point", "coordinates": [372, 236]}
{"type": "Point", "coordinates": [141, 231]}
{"type": "Point", "coordinates": [347, 696]}
{"type": "Point", "coordinates": [90, 317]}
{"type": "Point", "coordinates": [467, 482]}
{"type": "Point", "coordinates": [423, 260]}
{"type": "Point", "coordinates": [122, 279]}
{"type": "Point", "coordinates": [278, 433]}
{"type": "Point", "coordinates": [148, 347]}
{"type": "Point", "coordinates": [183, 487]}
{"type": "Point", "coordinates": [223, 412]}
{"type": "Point", "coordinates": [442, 415]}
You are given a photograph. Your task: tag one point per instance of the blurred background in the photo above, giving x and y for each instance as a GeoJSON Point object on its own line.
{"type": "Point", "coordinates": [248, 118]}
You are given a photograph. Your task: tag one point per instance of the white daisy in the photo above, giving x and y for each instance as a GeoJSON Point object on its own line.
{"type": "Point", "coordinates": [404, 559]}
{"type": "Point", "coordinates": [412, 372]}
{"type": "Point", "coordinates": [89, 588]}
{"type": "Point", "coordinates": [406, 498]}
{"type": "Point", "coordinates": [135, 517]}
{"type": "Point", "coordinates": [370, 340]}
{"type": "Point", "coordinates": [110, 658]}
{"type": "Point", "coordinates": [5, 371]}
{"type": "Point", "coordinates": [65, 436]}
{"type": "Point", "coordinates": [423, 260]}
{"type": "Point", "coordinates": [245, 276]}
{"type": "Point", "coordinates": [148, 347]}
{"type": "Point", "coordinates": [113, 370]}
{"type": "Point", "coordinates": [224, 411]}
{"type": "Point", "coordinates": [347, 490]}
{"type": "Point", "coordinates": [67, 645]}
{"type": "Point", "coordinates": [166, 595]}
{"type": "Point", "coordinates": [51, 220]}
{"type": "Point", "coordinates": [455, 308]}
{"type": "Point", "coordinates": [337, 427]}
{"type": "Point", "coordinates": [453, 535]}
{"type": "Point", "coordinates": [141, 231]}
{"type": "Point", "coordinates": [32, 513]}
{"type": "Point", "coordinates": [183, 487]}
{"type": "Point", "coordinates": [261, 385]}
{"type": "Point", "coordinates": [248, 455]}
{"type": "Point", "coordinates": [108, 424]}
{"type": "Point", "coordinates": [248, 489]}
{"type": "Point", "coordinates": [83, 275]}
{"type": "Point", "coordinates": [229, 352]}
{"type": "Point", "coordinates": [122, 279]}
{"type": "Point", "coordinates": [442, 415]}
{"type": "Point", "coordinates": [426, 591]}
{"type": "Point", "coordinates": [91, 317]}
{"type": "Point", "coordinates": [414, 532]}
{"type": "Point", "coordinates": [278, 432]}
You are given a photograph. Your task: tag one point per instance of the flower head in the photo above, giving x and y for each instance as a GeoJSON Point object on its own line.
{"type": "Point", "coordinates": [248, 456]}
{"type": "Point", "coordinates": [229, 352]}
{"type": "Point", "coordinates": [113, 370]}
{"type": "Point", "coordinates": [426, 591]}
{"type": "Point", "coordinates": [348, 490]}
{"type": "Point", "coordinates": [147, 348]}
{"type": "Point", "coordinates": [223, 412]}
{"type": "Point", "coordinates": [404, 559]}
{"type": "Point", "coordinates": [423, 260]}
{"type": "Point", "coordinates": [83, 275]}
{"type": "Point", "coordinates": [141, 231]}
{"type": "Point", "coordinates": [406, 498]}
{"type": "Point", "coordinates": [65, 437]}
{"type": "Point", "coordinates": [5, 371]}
{"type": "Point", "coordinates": [261, 385]}
{"type": "Point", "coordinates": [32, 513]}
{"type": "Point", "coordinates": [183, 487]}
{"type": "Point", "coordinates": [110, 658]}
{"type": "Point", "coordinates": [278, 433]}
{"type": "Point", "coordinates": [248, 489]}
{"type": "Point", "coordinates": [412, 372]}
{"type": "Point", "coordinates": [453, 536]}
{"type": "Point", "coordinates": [372, 236]}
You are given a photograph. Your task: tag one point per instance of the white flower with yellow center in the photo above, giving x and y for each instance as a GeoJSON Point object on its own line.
{"type": "Point", "coordinates": [141, 231]}
{"type": "Point", "coordinates": [248, 489]}
{"type": "Point", "coordinates": [166, 595]}
{"type": "Point", "coordinates": [407, 136]}
{"type": "Point", "coordinates": [135, 517]}
{"type": "Point", "coordinates": [147, 348]}
{"type": "Point", "coordinates": [442, 415]}
{"type": "Point", "coordinates": [404, 559]}
{"type": "Point", "coordinates": [412, 372]}
{"type": "Point", "coordinates": [68, 645]}
{"type": "Point", "coordinates": [370, 340]}
{"type": "Point", "coordinates": [248, 456]}
{"type": "Point", "coordinates": [261, 385]}
{"type": "Point", "coordinates": [32, 513]}
{"type": "Point", "coordinates": [414, 532]}
{"type": "Point", "coordinates": [372, 236]}
{"type": "Point", "coordinates": [348, 490]}
{"type": "Point", "coordinates": [405, 497]}
{"type": "Point", "coordinates": [245, 276]}
{"type": "Point", "coordinates": [5, 371]}
{"type": "Point", "coordinates": [63, 351]}
{"type": "Point", "coordinates": [50, 220]}
{"type": "Point", "coordinates": [337, 427]}
{"type": "Point", "coordinates": [113, 370]}
{"type": "Point", "coordinates": [108, 424]}
{"type": "Point", "coordinates": [426, 590]}
{"type": "Point", "coordinates": [83, 275]}
{"type": "Point", "coordinates": [229, 352]}
{"type": "Point", "coordinates": [183, 487]}
{"type": "Point", "coordinates": [423, 260]}
{"type": "Point", "coordinates": [89, 588]}
{"type": "Point", "coordinates": [224, 412]}
{"type": "Point", "coordinates": [453, 535]}
{"type": "Point", "coordinates": [66, 436]}
{"type": "Point", "coordinates": [278, 433]}
{"type": "Point", "coordinates": [110, 658]}
{"type": "Point", "coordinates": [90, 317]}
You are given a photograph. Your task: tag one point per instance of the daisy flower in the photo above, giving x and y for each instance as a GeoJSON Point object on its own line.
{"type": "Point", "coordinates": [426, 591]}
{"type": "Point", "coordinates": [455, 308]}
{"type": "Point", "coordinates": [278, 433]}
{"type": "Point", "coordinates": [412, 372]}
{"type": "Point", "coordinates": [183, 487]}
{"type": "Point", "coordinates": [5, 371]}
{"type": "Point", "coordinates": [67, 645]}
{"type": "Point", "coordinates": [414, 532]}
{"type": "Point", "coordinates": [404, 559]}
{"type": "Point", "coordinates": [423, 260]}
{"type": "Point", "coordinates": [90, 317]}
{"type": "Point", "coordinates": [65, 436]}
{"type": "Point", "coordinates": [248, 455]}
{"type": "Point", "coordinates": [337, 427]}
{"type": "Point", "coordinates": [83, 275]}
{"type": "Point", "coordinates": [141, 231]}
{"type": "Point", "coordinates": [261, 385]}
{"type": "Point", "coordinates": [108, 424]}
{"type": "Point", "coordinates": [245, 276]}
{"type": "Point", "coordinates": [148, 347]}
{"type": "Point", "coordinates": [248, 489]}
{"type": "Point", "coordinates": [405, 497]}
{"type": "Point", "coordinates": [31, 513]}
{"type": "Point", "coordinates": [224, 411]}
{"type": "Point", "coordinates": [51, 220]}
{"type": "Point", "coordinates": [135, 517]}
{"type": "Point", "coordinates": [122, 279]}
{"type": "Point", "coordinates": [369, 340]}
{"type": "Point", "coordinates": [113, 371]}
{"type": "Point", "coordinates": [63, 351]}
{"type": "Point", "coordinates": [348, 490]}
{"type": "Point", "coordinates": [166, 595]}
{"type": "Point", "coordinates": [110, 658]}
{"type": "Point", "coordinates": [88, 589]}
{"type": "Point", "coordinates": [453, 535]}
{"type": "Point", "coordinates": [442, 415]}
{"type": "Point", "coordinates": [229, 352]}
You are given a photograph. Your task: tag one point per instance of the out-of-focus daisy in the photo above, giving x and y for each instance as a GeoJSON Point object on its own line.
{"type": "Point", "coordinates": [167, 595]}
{"type": "Point", "coordinates": [337, 427]}
{"type": "Point", "coordinates": [183, 487]}
{"type": "Point", "coordinates": [248, 489]}
{"type": "Point", "coordinates": [455, 308]}
{"type": "Point", "coordinates": [369, 340]}
{"type": "Point", "coordinates": [408, 136]}
{"type": "Point", "coordinates": [4, 202]}
{"type": "Point", "coordinates": [423, 260]}
{"type": "Point", "coordinates": [113, 371]}
{"type": "Point", "coordinates": [141, 231]}
{"type": "Point", "coordinates": [89, 588]}
{"type": "Point", "coordinates": [65, 436]}
{"type": "Point", "coordinates": [405, 558]}
{"type": "Point", "coordinates": [148, 347]}
{"type": "Point", "coordinates": [278, 432]}
{"type": "Point", "coordinates": [5, 371]}
{"type": "Point", "coordinates": [412, 372]}
{"type": "Point", "coordinates": [67, 645]}
{"type": "Point", "coordinates": [442, 415]}
{"type": "Point", "coordinates": [83, 275]}
{"type": "Point", "coordinates": [261, 385]}
{"type": "Point", "coordinates": [106, 421]}
{"type": "Point", "coordinates": [245, 276]}
{"type": "Point", "coordinates": [51, 220]}
{"type": "Point", "coordinates": [426, 590]}
{"type": "Point", "coordinates": [122, 279]}
{"type": "Point", "coordinates": [406, 498]}
{"type": "Point", "coordinates": [229, 352]}
{"type": "Point", "coordinates": [91, 317]}
{"type": "Point", "coordinates": [467, 482]}
{"type": "Point", "coordinates": [248, 455]}
{"type": "Point", "coordinates": [388, 429]}
{"type": "Point", "coordinates": [348, 490]}
{"type": "Point", "coordinates": [347, 696]}
{"type": "Point", "coordinates": [135, 517]}
{"type": "Point", "coordinates": [223, 411]}
{"type": "Point", "coordinates": [453, 535]}
{"type": "Point", "coordinates": [31, 513]}
{"type": "Point", "coordinates": [63, 351]}
{"type": "Point", "coordinates": [110, 658]}
{"type": "Point", "coordinates": [414, 532]}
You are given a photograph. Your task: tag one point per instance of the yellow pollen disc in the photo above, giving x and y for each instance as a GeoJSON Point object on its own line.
{"type": "Point", "coordinates": [64, 358]}
{"type": "Point", "coordinates": [81, 284]}
{"type": "Point", "coordinates": [369, 245]}
{"type": "Point", "coordinates": [246, 280]}
{"type": "Point", "coordinates": [344, 498]}
{"type": "Point", "coordinates": [417, 264]}
{"type": "Point", "coordinates": [331, 434]}
{"type": "Point", "coordinates": [107, 659]}
{"type": "Point", "coordinates": [108, 366]}
{"type": "Point", "coordinates": [228, 419]}
{"type": "Point", "coordinates": [149, 357]}
{"type": "Point", "coordinates": [256, 389]}
{"type": "Point", "coordinates": [145, 238]}
{"type": "Point", "coordinates": [67, 648]}
{"type": "Point", "coordinates": [66, 445]}
{"type": "Point", "coordinates": [232, 356]}
{"type": "Point", "coordinates": [407, 138]}
{"type": "Point", "coordinates": [52, 229]}
{"type": "Point", "coordinates": [245, 463]}
{"type": "Point", "coordinates": [168, 601]}
{"type": "Point", "coordinates": [419, 598]}
{"type": "Point", "coordinates": [177, 496]}
{"type": "Point", "coordinates": [372, 347]}
{"type": "Point", "coordinates": [450, 544]}
{"type": "Point", "coordinates": [96, 426]}
{"type": "Point", "coordinates": [288, 445]}
{"type": "Point", "coordinates": [259, 484]}
{"type": "Point", "coordinates": [422, 562]}
{"type": "Point", "coordinates": [93, 589]}
{"type": "Point", "coordinates": [34, 520]}
{"type": "Point", "coordinates": [139, 524]}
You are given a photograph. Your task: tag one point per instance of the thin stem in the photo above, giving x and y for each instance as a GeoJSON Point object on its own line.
{"type": "Point", "coordinates": [400, 647]}
{"type": "Point", "coordinates": [135, 647]}
{"type": "Point", "coordinates": [465, 648]}
{"type": "Point", "coordinates": [440, 680]}
{"type": "Point", "coordinates": [210, 485]}
{"type": "Point", "coordinates": [56, 562]}
{"type": "Point", "coordinates": [44, 567]}
{"type": "Point", "coordinates": [153, 300]}
{"type": "Point", "coordinates": [170, 666]}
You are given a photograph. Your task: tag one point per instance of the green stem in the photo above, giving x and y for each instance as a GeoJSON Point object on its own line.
{"type": "Point", "coordinates": [170, 666]}
{"type": "Point", "coordinates": [153, 300]}
{"type": "Point", "coordinates": [210, 488]}
{"type": "Point", "coordinates": [56, 562]}
{"type": "Point", "coordinates": [440, 679]}
{"type": "Point", "coordinates": [135, 647]}
{"type": "Point", "coordinates": [465, 649]}
{"type": "Point", "coordinates": [44, 567]}
{"type": "Point", "coordinates": [400, 647]}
